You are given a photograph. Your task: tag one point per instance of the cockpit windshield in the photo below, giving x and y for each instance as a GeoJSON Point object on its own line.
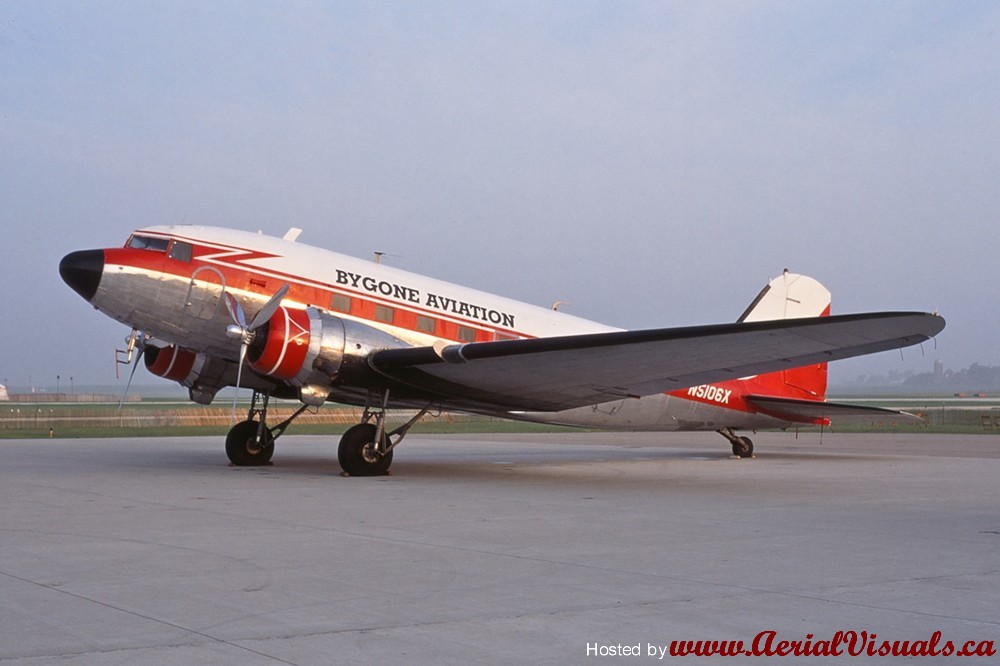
{"type": "Point", "coordinates": [137, 242]}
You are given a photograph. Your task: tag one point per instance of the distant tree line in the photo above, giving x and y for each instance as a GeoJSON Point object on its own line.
{"type": "Point", "coordinates": [974, 379]}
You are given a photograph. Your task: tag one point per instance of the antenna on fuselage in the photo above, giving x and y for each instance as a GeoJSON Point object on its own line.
{"type": "Point", "coordinates": [377, 256]}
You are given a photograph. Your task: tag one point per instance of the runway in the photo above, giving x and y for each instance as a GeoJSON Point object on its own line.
{"type": "Point", "coordinates": [495, 548]}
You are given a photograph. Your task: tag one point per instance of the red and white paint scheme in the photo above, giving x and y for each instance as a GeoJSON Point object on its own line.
{"type": "Point", "coordinates": [325, 326]}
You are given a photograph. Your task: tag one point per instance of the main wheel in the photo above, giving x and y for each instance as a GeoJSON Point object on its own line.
{"type": "Point", "coordinates": [743, 447]}
{"type": "Point", "coordinates": [357, 453]}
{"type": "Point", "coordinates": [243, 448]}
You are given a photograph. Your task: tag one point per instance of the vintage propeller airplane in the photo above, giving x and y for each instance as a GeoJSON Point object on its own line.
{"type": "Point", "coordinates": [325, 326]}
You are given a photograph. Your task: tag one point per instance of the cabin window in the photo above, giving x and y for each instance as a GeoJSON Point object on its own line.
{"type": "Point", "coordinates": [341, 303]}
{"type": "Point", "coordinates": [426, 324]}
{"type": "Point", "coordinates": [466, 334]}
{"type": "Point", "coordinates": [148, 243]}
{"type": "Point", "coordinates": [180, 251]}
{"type": "Point", "coordinates": [504, 336]}
{"type": "Point", "coordinates": [384, 313]}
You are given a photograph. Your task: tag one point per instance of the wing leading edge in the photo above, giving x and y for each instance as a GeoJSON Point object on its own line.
{"type": "Point", "coordinates": [556, 373]}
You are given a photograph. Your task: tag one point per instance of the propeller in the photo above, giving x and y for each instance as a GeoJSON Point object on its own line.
{"type": "Point", "coordinates": [244, 332]}
{"type": "Point", "coordinates": [136, 342]}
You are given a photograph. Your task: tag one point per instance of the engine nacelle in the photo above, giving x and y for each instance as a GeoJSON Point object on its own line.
{"type": "Point", "coordinates": [174, 363]}
{"type": "Point", "coordinates": [202, 375]}
{"type": "Point", "coordinates": [309, 349]}
{"type": "Point", "coordinates": [285, 345]}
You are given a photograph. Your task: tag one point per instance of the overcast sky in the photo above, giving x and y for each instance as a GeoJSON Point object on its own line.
{"type": "Point", "coordinates": [650, 163]}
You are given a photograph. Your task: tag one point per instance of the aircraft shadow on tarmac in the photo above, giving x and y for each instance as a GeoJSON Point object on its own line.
{"type": "Point", "coordinates": [624, 465]}
{"type": "Point", "coordinates": [464, 460]}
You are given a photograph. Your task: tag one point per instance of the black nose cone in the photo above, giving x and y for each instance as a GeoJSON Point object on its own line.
{"type": "Point", "coordinates": [82, 271]}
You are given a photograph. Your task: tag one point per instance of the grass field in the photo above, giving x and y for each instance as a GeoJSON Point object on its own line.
{"type": "Point", "coordinates": [159, 417]}
{"type": "Point", "coordinates": [155, 418]}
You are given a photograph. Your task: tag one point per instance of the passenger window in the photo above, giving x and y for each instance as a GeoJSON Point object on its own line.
{"type": "Point", "coordinates": [425, 324]}
{"type": "Point", "coordinates": [180, 251]}
{"type": "Point", "coordinates": [466, 334]}
{"type": "Point", "coordinates": [341, 303]}
{"type": "Point", "coordinates": [384, 313]}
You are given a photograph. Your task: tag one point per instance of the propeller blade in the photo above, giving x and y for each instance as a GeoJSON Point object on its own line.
{"type": "Point", "coordinates": [129, 383]}
{"type": "Point", "coordinates": [236, 311]}
{"type": "Point", "coordinates": [265, 313]}
{"type": "Point", "coordinates": [239, 376]}
{"type": "Point", "coordinates": [245, 332]}
{"type": "Point", "coordinates": [140, 346]}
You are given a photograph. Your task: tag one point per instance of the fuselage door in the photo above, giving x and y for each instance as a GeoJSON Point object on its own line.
{"type": "Point", "coordinates": [204, 293]}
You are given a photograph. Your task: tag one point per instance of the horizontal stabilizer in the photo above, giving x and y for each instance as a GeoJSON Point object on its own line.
{"type": "Point", "coordinates": [807, 411]}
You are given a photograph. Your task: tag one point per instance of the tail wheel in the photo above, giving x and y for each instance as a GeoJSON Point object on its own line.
{"type": "Point", "coordinates": [743, 447]}
{"type": "Point", "coordinates": [358, 454]}
{"type": "Point", "coordinates": [243, 447]}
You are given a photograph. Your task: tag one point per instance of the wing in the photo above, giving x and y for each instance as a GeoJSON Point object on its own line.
{"type": "Point", "coordinates": [549, 374]}
{"type": "Point", "coordinates": [807, 411]}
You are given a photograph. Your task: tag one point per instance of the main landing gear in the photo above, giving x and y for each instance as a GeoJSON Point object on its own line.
{"type": "Point", "coordinates": [742, 446]}
{"type": "Point", "coordinates": [366, 449]}
{"type": "Point", "coordinates": [251, 443]}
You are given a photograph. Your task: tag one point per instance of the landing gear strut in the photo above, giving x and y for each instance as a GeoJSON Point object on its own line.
{"type": "Point", "coordinates": [251, 443]}
{"type": "Point", "coordinates": [366, 449]}
{"type": "Point", "coordinates": [742, 446]}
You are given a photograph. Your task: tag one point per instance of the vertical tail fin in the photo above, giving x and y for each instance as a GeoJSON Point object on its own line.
{"type": "Point", "coordinates": [792, 296]}
{"type": "Point", "coordinates": [789, 296]}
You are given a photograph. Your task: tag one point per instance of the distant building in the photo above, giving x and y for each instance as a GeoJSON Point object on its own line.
{"type": "Point", "coordinates": [3, 393]}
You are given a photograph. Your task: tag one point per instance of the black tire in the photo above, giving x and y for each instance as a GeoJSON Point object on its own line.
{"type": "Point", "coordinates": [243, 448]}
{"type": "Point", "coordinates": [743, 447]}
{"type": "Point", "coordinates": [356, 452]}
